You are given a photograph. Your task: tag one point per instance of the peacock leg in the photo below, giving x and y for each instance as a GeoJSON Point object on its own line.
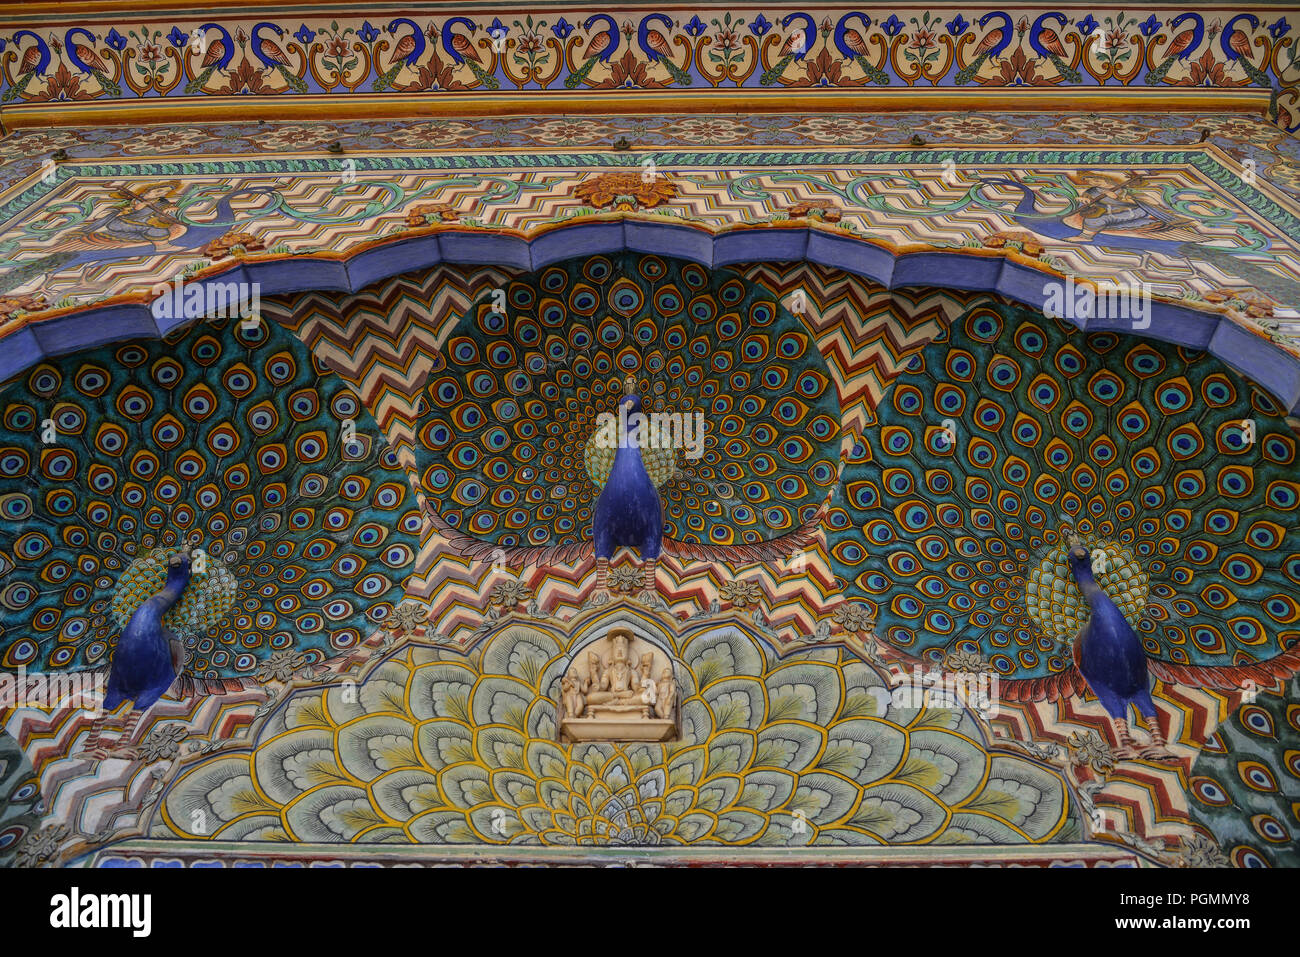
{"type": "Point", "coordinates": [122, 747]}
{"type": "Point", "coordinates": [128, 729]}
{"type": "Point", "coordinates": [601, 594]}
{"type": "Point", "coordinates": [1158, 749]}
{"type": "Point", "coordinates": [651, 593]}
{"type": "Point", "coordinates": [92, 748]}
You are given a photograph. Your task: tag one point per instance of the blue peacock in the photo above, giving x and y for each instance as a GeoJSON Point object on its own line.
{"type": "Point", "coordinates": [1078, 510]}
{"type": "Point", "coordinates": [506, 448]}
{"type": "Point", "coordinates": [214, 486]}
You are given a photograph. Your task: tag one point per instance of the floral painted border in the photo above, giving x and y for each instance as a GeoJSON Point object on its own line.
{"type": "Point", "coordinates": [772, 51]}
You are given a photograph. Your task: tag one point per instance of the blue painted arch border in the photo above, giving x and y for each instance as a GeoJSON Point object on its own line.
{"type": "Point", "coordinates": [1250, 353]}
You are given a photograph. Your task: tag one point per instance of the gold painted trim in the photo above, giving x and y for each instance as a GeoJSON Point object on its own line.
{"type": "Point", "coordinates": [361, 106]}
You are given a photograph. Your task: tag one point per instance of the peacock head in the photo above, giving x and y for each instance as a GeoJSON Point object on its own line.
{"type": "Point", "coordinates": [1080, 560]}
{"type": "Point", "coordinates": [179, 568]}
{"type": "Point", "coordinates": [631, 402]}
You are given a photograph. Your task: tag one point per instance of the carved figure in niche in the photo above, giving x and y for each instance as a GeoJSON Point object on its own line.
{"type": "Point", "coordinates": [618, 683]}
{"type": "Point", "coordinates": [612, 694]}
{"type": "Point", "coordinates": [572, 699]}
{"type": "Point", "coordinates": [596, 682]}
{"type": "Point", "coordinates": [647, 684]}
{"type": "Point", "coordinates": [667, 695]}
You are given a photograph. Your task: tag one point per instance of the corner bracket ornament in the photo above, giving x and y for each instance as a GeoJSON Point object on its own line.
{"type": "Point", "coordinates": [619, 691]}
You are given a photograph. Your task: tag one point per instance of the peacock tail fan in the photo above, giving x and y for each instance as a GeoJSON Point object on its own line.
{"type": "Point", "coordinates": [1245, 784]}
{"type": "Point", "coordinates": [1018, 436]}
{"type": "Point", "coordinates": [505, 446]}
{"type": "Point", "coordinates": [223, 438]}
{"type": "Point", "coordinates": [20, 798]}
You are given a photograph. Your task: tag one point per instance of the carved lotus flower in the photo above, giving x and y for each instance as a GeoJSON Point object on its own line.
{"type": "Point", "coordinates": [509, 594]}
{"type": "Point", "coordinates": [854, 617]}
{"type": "Point", "coordinates": [626, 578]}
{"type": "Point", "coordinates": [451, 748]}
{"type": "Point", "coordinates": [740, 593]}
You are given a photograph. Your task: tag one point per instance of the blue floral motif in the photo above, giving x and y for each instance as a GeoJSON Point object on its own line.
{"type": "Point", "coordinates": [368, 33]}
{"type": "Point", "coordinates": [695, 26]}
{"type": "Point", "coordinates": [497, 29]}
{"type": "Point", "coordinates": [760, 26]}
{"type": "Point", "coordinates": [1087, 25]}
{"type": "Point", "coordinates": [177, 38]}
{"type": "Point", "coordinates": [562, 29]}
{"type": "Point", "coordinates": [115, 40]}
{"type": "Point", "coordinates": [304, 36]}
{"type": "Point", "coordinates": [892, 25]}
{"type": "Point", "coordinates": [956, 26]}
{"type": "Point", "coordinates": [1279, 29]}
{"type": "Point", "coordinates": [1150, 25]}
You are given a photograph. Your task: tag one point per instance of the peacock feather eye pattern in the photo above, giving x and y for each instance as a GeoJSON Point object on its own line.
{"type": "Point", "coordinates": [1018, 436]}
{"type": "Point", "coordinates": [506, 442]}
{"type": "Point", "coordinates": [222, 438]}
{"type": "Point", "coordinates": [1245, 786]}
{"type": "Point", "coordinates": [20, 798]}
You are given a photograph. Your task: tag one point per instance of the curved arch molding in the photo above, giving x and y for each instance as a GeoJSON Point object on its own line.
{"type": "Point", "coordinates": [1215, 282]}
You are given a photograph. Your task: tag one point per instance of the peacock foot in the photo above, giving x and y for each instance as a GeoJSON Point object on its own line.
{"type": "Point", "coordinates": [1127, 751]}
{"type": "Point", "coordinates": [650, 599]}
{"type": "Point", "coordinates": [115, 751]}
{"type": "Point", "coordinates": [123, 752]}
{"type": "Point", "coordinates": [1158, 753]}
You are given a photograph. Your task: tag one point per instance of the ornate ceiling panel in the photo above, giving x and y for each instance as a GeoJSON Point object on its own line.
{"type": "Point", "coordinates": [507, 212]}
{"type": "Point", "coordinates": [84, 242]}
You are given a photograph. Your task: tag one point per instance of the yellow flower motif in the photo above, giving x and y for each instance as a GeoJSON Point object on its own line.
{"type": "Point", "coordinates": [626, 191]}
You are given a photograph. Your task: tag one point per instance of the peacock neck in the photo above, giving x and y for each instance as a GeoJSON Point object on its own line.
{"type": "Point", "coordinates": [178, 579]}
{"type": "Point", "coordinates": [1094, 593]}
{"type": "Point", "coordinates": [627, 460]}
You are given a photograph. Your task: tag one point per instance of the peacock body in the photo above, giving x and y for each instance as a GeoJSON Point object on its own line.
{"type": "Point", "coordinates": [147, 658]}
{"type": "Point", "coordinates": [628, 512]}
{"type": "Point", "coordinates": [1107, 651]}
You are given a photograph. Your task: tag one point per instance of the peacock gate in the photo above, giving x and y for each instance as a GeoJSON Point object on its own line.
{"type": "Point", "coordinates": [713, 434]}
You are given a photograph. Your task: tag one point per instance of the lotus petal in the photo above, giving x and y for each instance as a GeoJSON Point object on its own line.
{"type": "Point", "coordinates": [445, 742]}
{"type": "Point", "coordinates": [898, 813]}
{"type": "Point", "coordinates": [803, 691]}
